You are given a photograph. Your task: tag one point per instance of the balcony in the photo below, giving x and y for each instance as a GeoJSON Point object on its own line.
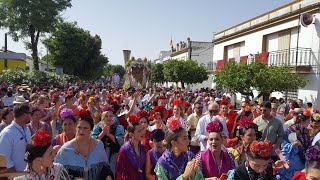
{"type": "Point", "coordinates": [299, 59]}
{"type": "Point", "coordinates": [211, 66]}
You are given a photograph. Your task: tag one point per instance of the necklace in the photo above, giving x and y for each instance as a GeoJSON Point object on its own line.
{"type": "Point", "coordinates": [86, 167]}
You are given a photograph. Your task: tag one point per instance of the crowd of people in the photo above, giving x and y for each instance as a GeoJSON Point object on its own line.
{"type": "Point", "coordinates": [90, 131]}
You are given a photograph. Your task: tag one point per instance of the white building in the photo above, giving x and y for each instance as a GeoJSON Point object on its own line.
{"type": "Point", "coordinates": [194, 50]}
{"type": "Point", "coordinates": [163, 56]}
{"type": "Point", "coordinates": [280, 38]}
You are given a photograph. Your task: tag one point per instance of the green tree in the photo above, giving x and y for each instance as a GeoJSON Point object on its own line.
{"type": "Point", "coordinates": [245, 78]}
{"type": "Point", "coordinates": [188, 71]}
{"type": "Point", "coordinates": [76, 51]}
{"type": "Point", "coordinates": [157, 73]}
{"type": "Point", "coordinates": [31, 19]}
{"type": "Point", "coordinates": [109, 69]}
{"type": "Point", "coordinates": [195, 73]}
{"type": "Point", "coordinates": [170, 69]}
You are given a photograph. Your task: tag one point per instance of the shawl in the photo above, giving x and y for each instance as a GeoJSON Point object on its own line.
{"type": "Point", "coordinates": [61, 139]}
{"type": "Point", "coordinates": [174, 165]}
{"type": "Point", "coordinates": [135, 161]}
{"type": "Point", "coordinates": [209, 164]}
{"type": "Point", "coordinates": [154, 156]}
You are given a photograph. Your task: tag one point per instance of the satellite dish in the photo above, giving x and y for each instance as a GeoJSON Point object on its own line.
{"type": "Point", "coordinates": [306, 19]}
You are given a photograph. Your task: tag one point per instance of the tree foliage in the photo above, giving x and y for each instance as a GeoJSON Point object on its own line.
{"type": "Point", "coordinates": [188, 71]}
{"type": "Point", "coordinates": [30, 19]}
{"type": "Point", "coordinates": [245, 78]}
{"type": "Point", "coordinates": [19, 76]}
{"type": "Point", "coordinates": [157, 73]}
{"type": "Point", "coordinates": [109, 69]}
{"type": "Point", "coordinates": [76, 51]}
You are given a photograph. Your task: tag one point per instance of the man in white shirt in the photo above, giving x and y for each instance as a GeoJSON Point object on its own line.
{"type": "Point", "coordinates": [290, 122]}
{"type": "Point", "coordinates": [15, 137]}
{"type": "Point", "coordinates": [201, 132]}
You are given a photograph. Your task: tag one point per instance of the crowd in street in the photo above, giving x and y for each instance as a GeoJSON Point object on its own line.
{"type": "Point", "coordinates": [95, 132]}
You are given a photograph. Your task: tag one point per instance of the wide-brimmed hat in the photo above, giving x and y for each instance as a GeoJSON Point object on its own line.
{"type": "Point", "coordinates": [3, 169]}
{"type": "Point", "coordinates": [20, 100]}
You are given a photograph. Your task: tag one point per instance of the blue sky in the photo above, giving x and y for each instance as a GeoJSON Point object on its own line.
{"type": "Point", "coordinates": [145, 26]}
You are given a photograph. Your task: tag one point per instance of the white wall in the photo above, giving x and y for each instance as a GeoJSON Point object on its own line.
{"type": "Point", "coordinates": [308, 38]}
{"type": "Point", "coordinates": [311, 92]}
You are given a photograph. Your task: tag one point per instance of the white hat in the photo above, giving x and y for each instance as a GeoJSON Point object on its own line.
{"type": "Point", "coordinates": [19, 100]}
{"type": "Point", "coordinates": [217, 99]}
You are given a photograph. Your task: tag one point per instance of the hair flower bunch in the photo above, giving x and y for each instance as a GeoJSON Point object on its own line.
{"type": "Point", "coordinates": [142, 113]}
{"type": "Point", "coordinates": [262, 149]}
{"type": "Point", "coordinates": [157, 135]}
{"type": "Point", "coordinates": [65, 112]}
{"type": "Point", "coordinates": [85, 114]}
{"type": "Point", "coordinates": [245, 122]}
{"type": "Point", "coordinates": [107, 108]}
{"type": "Point", "coordinates": [313, 153]}
{"type": "Point", "coordinates": [133, 119]}
{"type": "Point", "coordinates": [214, 126]}
{"type": "Point", "coordinates": [316, 117]}
{"type": "Point", "coordinates": [42, 138]}
{"type": "Point", "coordinates": [177, 102]}
{"type": "Point", "coordinates": [173, 123]}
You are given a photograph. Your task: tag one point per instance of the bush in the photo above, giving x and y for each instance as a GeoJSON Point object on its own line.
{"type": "Point", "coordinates": [15, 76]}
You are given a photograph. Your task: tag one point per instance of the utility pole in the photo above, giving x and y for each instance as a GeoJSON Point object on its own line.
{"type": "Point", "coordinates": [5, 50]}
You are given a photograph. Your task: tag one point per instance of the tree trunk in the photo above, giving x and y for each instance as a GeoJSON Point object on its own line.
{"type": "Point", "coordinates": [182, 85]}
{"type": "Point", "coordinates": [247, 94]}
{"type": "Point", "coordinates": [265, 96]}
{"type": "Point", "coordinates": [34, 46]}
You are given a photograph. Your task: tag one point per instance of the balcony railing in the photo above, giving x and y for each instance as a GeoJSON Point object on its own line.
{"type": "Point", "coordinates": [292, 57]}
{"type": "Point", "coordinates": [211, 66]}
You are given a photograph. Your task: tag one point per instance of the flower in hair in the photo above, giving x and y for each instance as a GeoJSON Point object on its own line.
{"type": "Point", "coordinates": [316, 117]}
{"type": "Point", "coordinates": [177, 102]}
{"type": "Point", "coordinates": [157, 134]}
{"type": "Point", "coordinates": [232, 142]}
{"type": "Point", "coordinates": [118, 98]}
{"type": "Point", "coordinates": [161, 97]}
{"type": "Point", "coordinates": [224, 102]}
{"type": "Point", "coordinates": [133, 119]}
{"type": "Point", "coordinates": [173, 123]}
{"type": "Point", "coordinates": [114, 102]}
{"type": "Point", "coordinates": [245, 122]}
{"type": "Point", "coordinates": [313, 153]}
{"type": "Point", "coordinates": [42, 138]}
{"type": "Point", "coordinates": [214, 126]}
{"type": "Point", "coordinates": [247, 108]}
{"type": "Point", "coordinates": [142, 113]}
{"type": "Point", "coordinates": [159, 109]}
{"type": "Point", "coordinates": [263, 148]}
{"type": "Point", "coordinates": [65, 112]}
{"type": "Point", "coordinates": [85, 114]}
{"type": "Point", "coordinates": [107, 108]}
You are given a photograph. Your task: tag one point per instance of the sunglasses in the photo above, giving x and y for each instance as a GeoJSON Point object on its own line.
{"type": "Point", "coordinates": [212, 111]}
